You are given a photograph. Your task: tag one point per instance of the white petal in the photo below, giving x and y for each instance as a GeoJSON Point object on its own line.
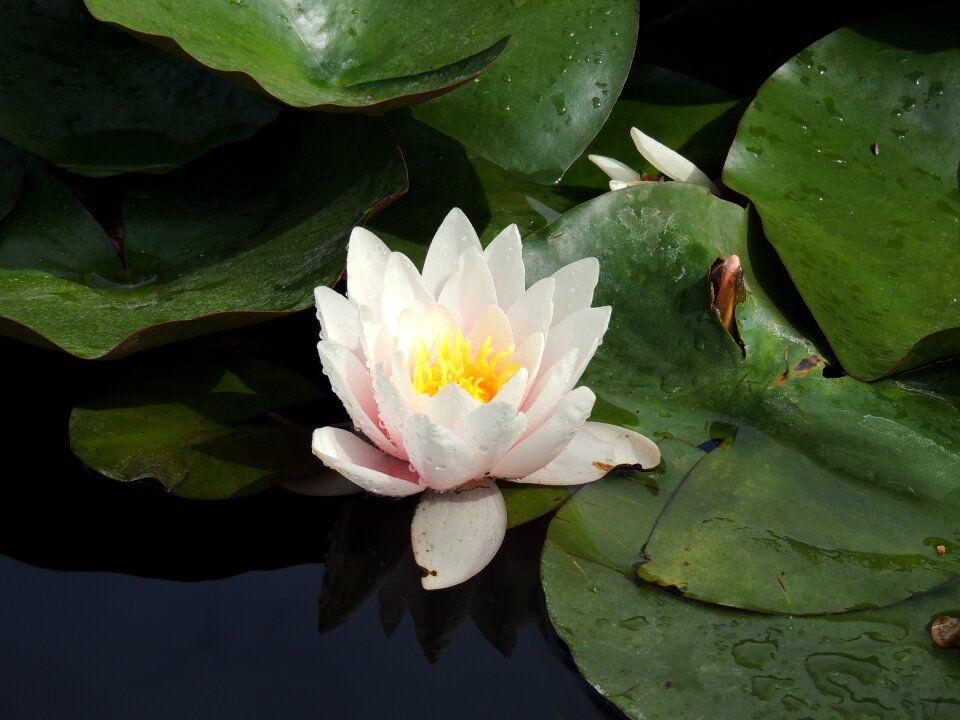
{"type": "Point", "coordinates": [548, 441]}
{"type": "Point", "coordinates": [352, 383]}
{"type": "Point", "coordinates": [491, 429]}
{"type": "Point", "coordinates": [574, 287]}
{"type": "Point", "coordinates": [403, 289]}
{"type": "Point", "coordinates": [363, 464]}
{"type": "Point", "coordinates": [456, 534]}
{"type": "Point", "coordinates": [338, 318]}
{"type": "Point", "coordinates": [469, 289]}
{"type": "Point", "coordinates": [491, 323]}
{"type": "Point", "coordinates": [669, 162]}
{"type": "Point", "coordinates": [595, 451]}
{"type": "Point", "coordinates": [328, 483]}
{"type": "Point", "coordinates": [620, 184]}
{"type": "Point", "coordinates": [513, 392]}
{"type": "Point", "coordinates": [427, 328]}
{"type": "Point", "coordinates": [442, 459]}
{"type": "Point", "coordinates": [376, 341]}
{"type": "Point", "coordinates": [450, 405]}
{"type": "Point", "coordinates": [614, 169]}
{"type": "Point", "coordinates": [454, 235]}
{"type": "Point", "coordinates": [393, 407]}
{"type": "Point", "coordinates": [551, 386]}
{"type": "Point", "coordinates": [583, 329]}
{"type": "Point", "coordinates": [529, 355]}
{"type": "Point", "coordinates": [504, 256]}
{"type": "Point", "coordinates": [366, 264]}
{"type": "Point", "coordinates": [533, 312]}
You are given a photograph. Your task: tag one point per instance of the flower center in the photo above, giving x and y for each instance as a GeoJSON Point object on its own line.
{"type": "Point", "coordinates": [482, 375]}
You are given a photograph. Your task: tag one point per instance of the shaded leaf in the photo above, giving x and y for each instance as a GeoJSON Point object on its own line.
{"type": "Point", "coordinates": [94, 101]}
{"type": "Point", "coordinates": [200, 428]}
{"type": "Point", "coordinates": [240, 236]}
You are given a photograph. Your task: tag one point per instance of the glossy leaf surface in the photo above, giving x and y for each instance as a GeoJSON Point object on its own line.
{"type": "Point", "coordinates": [850, 153]}
{"type": "Point", "coordinates": [793, 512]}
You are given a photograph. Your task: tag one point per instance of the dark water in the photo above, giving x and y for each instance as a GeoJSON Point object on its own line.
{"type": "Point", "coordinates": [122, 601]}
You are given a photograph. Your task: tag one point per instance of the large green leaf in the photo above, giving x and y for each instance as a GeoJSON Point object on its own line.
{"type": "Point", "coordinates": [322, 53]}
{"type": "Point", "coordinates": [657, 655]}
{"type": "Point", "coordinates": [827, 493]}
{"type": "Point", "coordinates": [850, 155]}
{"type": "Point", "coordinates": [550, 91]}
{"type": "Point", "coordinates": [199, 427]}
{"type": "Point", "coordinates": [239, 236]}
{"type": "Point", "coordinates": [95, 101]}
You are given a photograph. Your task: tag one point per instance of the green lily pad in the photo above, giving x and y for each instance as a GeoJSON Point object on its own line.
{"type": "Point", "coordinates": [91, 99]}
{"type": "Point", "coordinates": [858, 191]}
{"type": "Point", "coordinates": [826, 494]}
{"type": "Point", "coordinates": [200, 428]}
{"type": "Point", "coordinates": [242, 235]}
{"type": "Point", "coordinates": [322, 53]}
{"type": "Point", "coordinates": [654, 654]}
{"type": "Point", "coordinates": [552, 89]}
{"type": "Point", "coordinates": [694, 118]}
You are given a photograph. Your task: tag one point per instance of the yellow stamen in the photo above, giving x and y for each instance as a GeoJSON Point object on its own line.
{"type": "Point", "coordinates": [478, 374]}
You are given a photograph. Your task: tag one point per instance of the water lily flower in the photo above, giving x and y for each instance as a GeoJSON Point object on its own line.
{"type": "Point", "coordinates": [668, 161]}
{"type": "Point", "coordinates": [459, 375]}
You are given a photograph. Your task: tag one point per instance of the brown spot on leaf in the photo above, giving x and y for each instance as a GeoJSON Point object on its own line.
{"type": "Point", "coordinates": [605, 467]}
{"type": "Point", "coordinates": [945, 631]}
{"type": "Point", "coordinates": [802, 368]}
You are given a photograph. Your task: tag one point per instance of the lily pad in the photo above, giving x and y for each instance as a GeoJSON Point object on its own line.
{"type": "Point", "coordinates": [200, 428]}
{"type": "Point", "coordinates": [693, 118]}
{"type": "Point", "coordinates": [654, 654]}
{"type": "Point", "coordinates": [242, 235]}
{"type": "Point", "coordinates": [552, 89]}
{"type": "Point", "coordinates": [858, 191]}
{"type": "Point", "coordinates": [322, 53]}
{"type": "Point", "coordinates": [793, 512]}
{"type": "Point", "coordinates": [94, 101]}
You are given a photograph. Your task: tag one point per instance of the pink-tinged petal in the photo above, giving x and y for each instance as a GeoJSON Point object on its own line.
{"type": "Point", "coordinates": [491, 323]}
{"type": "Point", "coordinates": [401, 380]}
{"type": "Point", "coordinates": [469, 289]}
{"type": "Point", "coordinates": [552, 384]}
{"type": "Point", "coordinates": [533, 312]}
{"type": "Point", "coordinates": [403, 289]}
{"type": "Point", "coordinates": [338, 318]}
{"type": "Point", "coordinates": [456, 534]}
{"type": "Point", "coordinates": [491, 429]}
{"type": "Point", "coordinates": [393, 407]}
{"type": "Point", "coordinates": [352, 383]}
{"type": "Point", "coordinates": [366, 264]}
{"type": "Point", "coordinates": [584, 330]}
{"type": "Point", "coordinates": [328, 483]}
{"type": "Point", "coordinates": [449, 406]}
{"type": "Point", "coordinates": [546, 442]}
{"type": "Point", "coordinates": [363, 464]}
{"type": "Point", "coordinates": [614, 169]}
{"type": "Point", "coordinates": [454, 235]}
{"type": "Point", "coordinates": [670, 162]}
{"type": "Point", "coordinates": [594, 451]}
{"type": "Point", "coordinates": [575, 285]}
{"type": "Point", "coordinates": [504, 256]}
{"type": "Point", "coordinates": [442, 459]}
{"type": "Point", "coordinates": [528, 355]}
